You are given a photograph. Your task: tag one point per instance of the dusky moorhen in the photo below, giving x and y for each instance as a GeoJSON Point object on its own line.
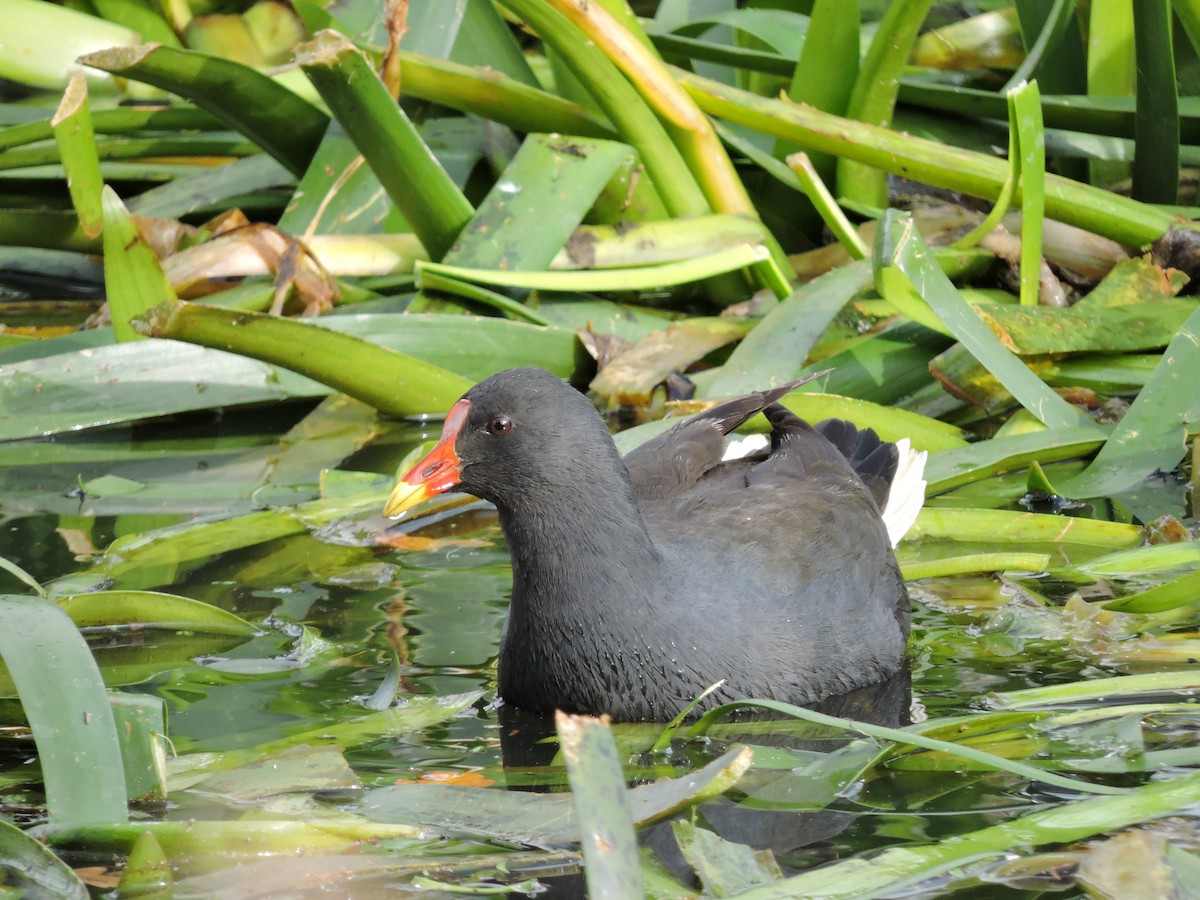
{"type": "Point", "coordinates": [639, 583]}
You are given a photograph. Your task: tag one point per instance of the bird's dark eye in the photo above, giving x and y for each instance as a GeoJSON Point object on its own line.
{"type": "Point", "coordinates": [499, 426]}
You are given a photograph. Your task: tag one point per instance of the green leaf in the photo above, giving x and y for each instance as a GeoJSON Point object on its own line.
{"type": "Point", "coordinates": [873, 99]}
{"type": "Point", "coordinates": [210, 186]}
{"type": "Point", "coordinates": [340, 195]}
{"type": "Point", "coordinates": [1032, 330]}
{"type": "Point", "coordinates": [285, 125]}
{"type": "Point", "coordinates": [541, 818]}
{"type": "Point", "coordinates": [413, 178]}
{"type": "Point", "coordinates": [492, 95]}
{"type": "Point", "coordinates": [537, 202]}
{"type": "Point", "coordinates": [59, 392]}
{"type": "Point", "coordinates": [151, 609]}
{"type": "Point", "coordinates": [76, 142]}
{"type": "Point", "coordinates": [826, 72]}
{"type": "Point", "coordinates": [726, 869]}
{"type": "Point", "coordinates": [644, 278]}
{"type": "Point", "coordinates": [1025, 117]}
{"type": "Point", "coordinates": [964, 465]}
{"type": "Point", "coordinates": [133, 279]}
{"type": "Point", "coordinates": [43, 41]}
{"type": "Point", "coordinates": [293, 770]}
{"type": "Point", "coordinates": [32, 870]}
{"type": "Point", "coordinates": [632, 117]}
{"type": "Point", "coordinates": [909, 276]}
{"type": "Point", "coordinates": [1156, 123]}
{"type": "Point", "coordinates": [141, 721]}
{"type": "Point", "coordinates": [905, 866]}
{"type": "Point", "coordinates": [1142, 560]}
{"type": "Point", "coordinates": [64, 699]}
{"type": "Point", "coordinates": [978, 174]}
{"type": "Point", "coordinates": [1150, 437]}
{"type": "Point", "coordinates": [1006, 526]}
{"type": "Point", "coordinates": [17, 572]}
{"type": "Point", "coordinates": [779, 344]}
{"type": "Point", "coordinates": [601, 804]}
{"type": "Point", "coordinates": [904, 736]}
{"type": "Point", "coordinates": [1179, 592]}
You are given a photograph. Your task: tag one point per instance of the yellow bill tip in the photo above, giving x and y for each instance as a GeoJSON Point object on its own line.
{"type": "Point", "coordinates": [404, 497]}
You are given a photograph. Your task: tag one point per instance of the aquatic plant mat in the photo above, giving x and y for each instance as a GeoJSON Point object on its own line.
{"type": "Point", "coordinates": [250, 256]}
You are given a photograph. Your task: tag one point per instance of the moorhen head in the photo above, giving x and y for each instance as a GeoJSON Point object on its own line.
{"type": "Point", "coordinates": [638, 583]}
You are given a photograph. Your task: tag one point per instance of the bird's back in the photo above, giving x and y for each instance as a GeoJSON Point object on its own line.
{"type": "Point", "coordinates": [782, 574]}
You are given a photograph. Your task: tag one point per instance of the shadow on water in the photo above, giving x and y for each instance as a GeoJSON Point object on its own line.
{"type": "Point", "coordinates": [527, 742]}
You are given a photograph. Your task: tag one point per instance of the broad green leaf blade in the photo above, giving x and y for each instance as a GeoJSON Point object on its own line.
{"type": "Point", "coordinates": [778, 346]}
{"type": "Point", "coordinates": [963, 465]}
{"type": "Point", "coordinates": [622, 40]}
{"type": "Point", "coordinates": [889, 423]}
{"type": "Point", "coordinates": [133, 279]}
{"type": "Point", "coordinates": [1143, 560]}
{"type": "Point", "coordinates": [538, 201]}
{"type": "Point", "coordinates": [634, 243]}
{"type": "Point", "coordinates": [415, 713]}
{"type": "Point", "coordinates": [1033, 330]}
{"type": "Point", "coordinates": [1182, 684]}
{"type": "Point", "coordinates": [391, 382]}
{"type": "Point", "coordinates": [210, 186]}
{"type": "Point", "coordinates": [1111, 67]}
{"type": "Point", "coordinates": [57, 393]}
{"type": "Point", "coordinates": [630, 376]}
{"type": "Point", "coordinates": [906, 268]}
{"type": "Point", "coordinates": [151, 609]}
{"type": "Point", "coordinates": [620, 101]}
{"type": "Point", "coordinates": [1179, 592]}
{"type": "Point", "coordinates": [294, 770]}
{"type": "Point", "coordinates": [1049, 32]}
{"type": "Point", "coordinates": [32, 870]}
{"type": "Point", "coordinates": [285, 125]}
{"type": "Point", "coordinates": [726, 869]}
{"type": "Point", "coordinates": [339, 194]}
{"type": "Point", "coordinates": [419, 186]}
{"type": "Point", "coordinates": [1151, 435]}
{"type": "Point", "coordinates": [122, 120]}
{"type": "Point", "coordinates": [64, 699]}
{"type": "Point", "coordinates": [240, 840]}
{"type": "Point", "coordinates": [140, 15]}
{"type": "Point", "coordinates": [974, 563]}
{"type": "Point", "coordinates": [601, 806]}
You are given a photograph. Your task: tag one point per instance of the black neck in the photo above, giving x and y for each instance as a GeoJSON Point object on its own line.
{"type": "Point", "coordinates": [590, 541]}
